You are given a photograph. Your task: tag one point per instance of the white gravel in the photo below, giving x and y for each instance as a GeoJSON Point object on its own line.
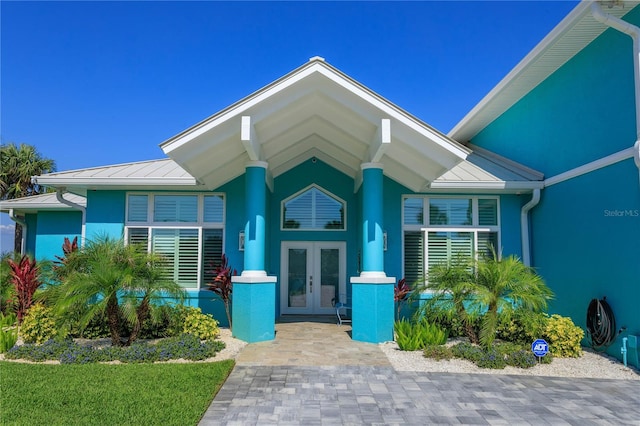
{"type": "Point", "coordinates": [589, 365]}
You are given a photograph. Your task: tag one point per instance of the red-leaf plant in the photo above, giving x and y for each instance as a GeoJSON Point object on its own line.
{"type": "Point", "coordinates": [25, 277]}
{"type": "Point", "coordinates": [222, 285]}
{"type": "Point", "coordinates": [400, 294]}
{"type": "Point", "coordinates": [68, 248]}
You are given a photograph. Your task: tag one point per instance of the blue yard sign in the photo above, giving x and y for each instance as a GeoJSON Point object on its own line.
{"type": "Point", "coordinates": [539, 348]}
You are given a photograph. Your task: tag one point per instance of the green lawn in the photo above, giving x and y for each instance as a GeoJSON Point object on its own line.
{"type": "Point", "coordinates": [106, 394]}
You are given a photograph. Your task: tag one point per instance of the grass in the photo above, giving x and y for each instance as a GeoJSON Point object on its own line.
{"type": "Point", "coordinates": [107, 394]}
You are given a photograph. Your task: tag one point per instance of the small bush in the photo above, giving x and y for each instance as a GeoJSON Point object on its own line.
{"type": "Point", "coordinates": [8, 331]}
{"type": "Point", "coordinates": [203, 326]}
{"type": "Point", "coordinates": [437, 352]}
{"type": "Point", "coordinates": [185, 346]}
{"type": "Point", "coordinates": [467, 351]}
{"type": "Point", "coordinates": [38, 325]}
{"type": "Point", "coordinates": [563, 337]}
{"type": "Point", "coordinates": [415, 336]}
{"type": "Point", "coordinates": [491, 358]}
{"type": "Point", "coordinates": [521, 326]}
{"type": "Point", "coordinates": [521, 358]}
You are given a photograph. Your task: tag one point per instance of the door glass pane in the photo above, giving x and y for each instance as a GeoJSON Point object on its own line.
{"type": "Point", "coordinates": [297, 278]}
{"type": "Point", "coordinates": [329, 276]}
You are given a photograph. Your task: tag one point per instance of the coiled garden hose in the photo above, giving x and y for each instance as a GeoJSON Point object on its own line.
{"type": "Point", "coordinates": [601, 324]}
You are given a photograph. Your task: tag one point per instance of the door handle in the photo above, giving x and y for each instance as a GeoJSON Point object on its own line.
{"type": "Point", "coordinates": [310, 284]}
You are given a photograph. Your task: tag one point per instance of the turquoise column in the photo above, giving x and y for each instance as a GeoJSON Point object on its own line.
{"type": "Point", "coordinates": [254, 293]}
{"type": "Point", "coordinates": [372, 291]}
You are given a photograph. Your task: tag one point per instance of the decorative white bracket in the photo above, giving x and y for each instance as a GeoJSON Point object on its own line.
{"type": "Point", "coordinates": [249, 140]}
{"type": "Point", "coordinates": [381, 142]}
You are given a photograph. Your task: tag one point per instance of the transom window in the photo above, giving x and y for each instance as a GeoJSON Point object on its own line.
{"type": "Point", "coordinates": [438, 229]}
{"type": "Point", "coordinates": [186, 229]}
{"type": "Point", "coordinates": [313, 209]}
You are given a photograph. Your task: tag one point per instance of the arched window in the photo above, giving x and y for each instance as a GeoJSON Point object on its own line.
{"type": "Point", "coordinates": [313, 209]}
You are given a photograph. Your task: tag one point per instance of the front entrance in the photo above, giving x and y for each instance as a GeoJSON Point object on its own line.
{"type": "Point", "coordinates": [312, 275]}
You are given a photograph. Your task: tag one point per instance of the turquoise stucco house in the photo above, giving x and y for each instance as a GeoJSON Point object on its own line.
{"type": "Point", "coordinates": [317, 188]}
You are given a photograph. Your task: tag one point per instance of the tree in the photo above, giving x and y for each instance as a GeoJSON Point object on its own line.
{"type": "Point", "coordinates": [17, 165]}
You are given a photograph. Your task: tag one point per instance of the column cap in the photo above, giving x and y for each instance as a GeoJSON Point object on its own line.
{"type": "Point", "coordinates": [262, 164]}
{"type": "Point", "coordinates": [365, 166]}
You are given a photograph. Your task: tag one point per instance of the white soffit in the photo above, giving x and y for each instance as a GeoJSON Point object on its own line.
{"type": "Point", "coordinates": [569, 37]}
{"type": "Point", "coordinates": [314, 110]}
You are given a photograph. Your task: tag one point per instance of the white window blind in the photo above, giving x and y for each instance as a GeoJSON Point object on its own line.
{"type": "Point", "coordinates": [450, 211]}
{"type": "Point", "coordinates": [213, 208]}
{"type": "Point", "coordinates": [414, 211]}
{"type": "Point", "coordinates": [179, 247]}
{"type": "Point", "coordinates": [413, 257]}
{"type": "Point", "coordinates": [211, 253]}
{"type": "Point", "coordinates": [137, 208]}
{"type": "Point", "coordinates": [314, 210]}
{"type": "Point", "coordinates": [175, 208]}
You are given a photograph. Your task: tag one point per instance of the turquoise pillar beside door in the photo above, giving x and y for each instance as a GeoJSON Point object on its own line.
{"type": "Point", "coordinates": [372, 291]}
{"type": "Point", "coordinates": [254, 293]}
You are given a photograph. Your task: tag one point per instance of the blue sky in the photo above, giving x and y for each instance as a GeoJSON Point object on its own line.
{"type": "Point", "coordinates": [98, 83]}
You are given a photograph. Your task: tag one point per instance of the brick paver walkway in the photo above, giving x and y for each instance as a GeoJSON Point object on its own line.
{"type": "Point", "coordinates": [299, 380]}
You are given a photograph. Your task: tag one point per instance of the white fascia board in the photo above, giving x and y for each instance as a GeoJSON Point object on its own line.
{"type": "Point", "coordinates": [395, 112]}
{"type": "Point", "coordinates": [565, 25]}
{"type": "Point", "coordinates": [237, 108]}
{"type": "Point", "coordinates": [517, 185]}
{"type": "Point", "coordinates": [110, 181]}
{"type": "Point", "coordinates": [590, 167]}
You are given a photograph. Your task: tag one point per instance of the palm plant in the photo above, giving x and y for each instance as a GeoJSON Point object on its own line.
{"type": "Point", "coordinates": [105, 272]}
{"type": "Point", "coordinates": [17, 165]}
{"type": "Point", "coordinates": [504, 285]}
{"type": "Point", "coordinates": [453, 285]}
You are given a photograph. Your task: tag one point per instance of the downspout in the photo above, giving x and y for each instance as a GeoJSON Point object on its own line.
{"type": "Point", "coordinates": [524, 226]}
{"type": "Point", "coordinates": [22, 223]}
{"type": "Point", "coordinates": [634, 32]}
{"type": "Point", "coordinates": [83, 209]}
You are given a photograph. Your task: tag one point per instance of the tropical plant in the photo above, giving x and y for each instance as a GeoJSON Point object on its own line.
{"type": "Point", "coordinates": [414, 336]}
{"type": "Point", "coordinates": [453, 286]}
{"type": "Point", "coordinates": [106, 271]}
{"type": "Point", "coordinates": [203, 326]}
{"type": "Point", "coordinates": [38, 324]}
{"type": "Point", "coordinates": [24, 275]}
{"type": "Point", "coordinates": [505, 285]}
{"type": "Point", "coordinates": [17, 165]}
{"type": "Point", "coordinates": [401, 293]}
{"type": "Point", "coordinates": [222, 284]}
{"type": "Point", "coordinates": [7, 290]}
{"type": "Point", "coordinates": [68, 248]}
{"type": "Point", "coordinates": [8, 331]}
{"type": "Point", "coordinates": [563, 337]}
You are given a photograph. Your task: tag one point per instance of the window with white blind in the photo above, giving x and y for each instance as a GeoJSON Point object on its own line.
{"type": "Point", "coordinates": [313, 209]}
{"type": "Point", "coordinates": [439, 229]}
{"type": "Point", "coordinates": [186, 229]}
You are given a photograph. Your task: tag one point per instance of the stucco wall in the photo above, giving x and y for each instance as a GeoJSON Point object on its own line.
{"type": "Point", "coordinates": [586, 231]}
{"type": "Point", "coordinates": [52, 228]}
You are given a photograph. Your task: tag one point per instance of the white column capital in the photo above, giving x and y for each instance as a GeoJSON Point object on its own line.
{"type": "Point", "coordinates": [365, 166]}
{"type": "Point", "coordinates": [262, 164]}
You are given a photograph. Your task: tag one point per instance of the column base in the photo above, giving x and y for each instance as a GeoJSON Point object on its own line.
{"type": "Point", "coordinates": [373, 305]}
{"type": "Point", "coordinates": [254, 308]}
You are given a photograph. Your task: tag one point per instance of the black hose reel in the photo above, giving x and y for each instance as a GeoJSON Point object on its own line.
{"type": "Point", "coordinates": [601, 324]}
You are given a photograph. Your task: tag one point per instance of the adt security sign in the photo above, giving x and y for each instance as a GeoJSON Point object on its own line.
{"type": "Point", "coordinates": [539, 348]}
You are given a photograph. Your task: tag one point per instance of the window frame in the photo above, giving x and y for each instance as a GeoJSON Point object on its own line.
{"type": "Point", "coordinates": [474, 228]}
{"type": "Point", "coordinates": [325, 192]}
{"type": "Point", "coordinates": [200, 225]}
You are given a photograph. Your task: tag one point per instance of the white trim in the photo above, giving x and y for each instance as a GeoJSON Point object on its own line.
{"type": "Point", "coordinates": [325, 192]}
{"type": "Point", "coordinates": [249, 139]}
{"type": "Point", "coordinates": [590, 167]}
{"type": "Point", "coordinates": [371, 165]}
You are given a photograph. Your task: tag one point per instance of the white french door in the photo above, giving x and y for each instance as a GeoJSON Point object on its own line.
{"type": "Point", "coordinates": [313, 273]}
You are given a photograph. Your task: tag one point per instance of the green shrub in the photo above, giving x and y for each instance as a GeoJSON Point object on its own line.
{"type": "Point", "coordinates": [164, 321]}
{"type": "Point", "coordinates": [521, 358]}
{"type": "Point", "coordinates": [521, 326]}
{"type": "Point", "coordinates": [563, 337]}
{"type": "Point", "coordinates": [203, 326]}
{"type": "Point", "coordinates": [8, 331]}
{"type": "Point", "coordinates": [185, 346]}
{"type": "Point", "coordinates": [491, 358]}
{"type": "Point", "coordinates": [437, 352]}
{"type": "Point", "coordinates": [38, 325]}
{"type": "Point", "coordinates": [467, 351]}
{"type": "Point", "coordinates": [452, 322]}
{"type": "Point", "coordinates": [415, 336]}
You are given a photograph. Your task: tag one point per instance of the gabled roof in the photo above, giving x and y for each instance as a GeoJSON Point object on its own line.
{"type": "Point", "coordinates": [569, 37]}
{"type": "Point", "coordinates": [154, 174]}
{"type": "Point", "coordinates": [315, 110]}
{"type": "Point", "coordinates": [41, 202]}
